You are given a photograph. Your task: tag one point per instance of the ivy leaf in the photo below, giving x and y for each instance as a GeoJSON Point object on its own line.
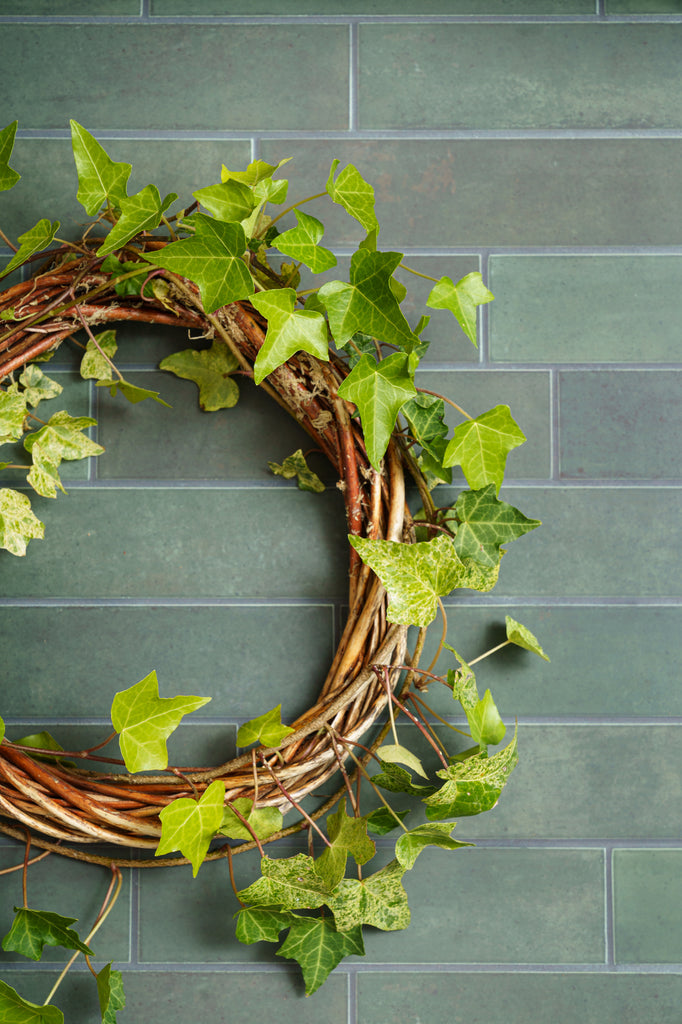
{"type": "Point", "coordinates": [43, 741]}
{"type": "Point", "coordinates": [522, 637]}
{"type": "Point", "coordinates": [141, 212]}
{"type": "Point", "coordinates": [484, 720]}
{"type": "Point", "coordinates": [395, 753]}
{"type": "Point", "coordinates": [397, 780]}
{"type": "Point", "coordinates": [18, 524]}
{"type": "Point", "coordinates": [2, 730]}
{"type": "Point", "coordinates": [130, 391]}
{"type": "Point", "coordinates": [8, 176]}
{"type": "Point", "coordinates": [289, 331]}
{"type": "Point", "coordinates": [381, 821]}
{"type": "Point", "coordinates": [485, 523]}
{"type": "Point", "coordinates": [472, 786]}
{"type": "Point", "coordinates": [93, 364]}
{"type": "Point", "coordinates": [144, 721]}
{"type": "Point", "coordinates": [424, 414]}
{"type": "Point", "coordinates": [43, 475]}
{"type": "Point", "coordinates": [290, 882]}
{"type": "Point", "coordinates": [110, 992]}
{"type": "Point", "coordinates": [379, 390]}
{"type": "Point", "coordinates": [38, 385]}
{"type": "Point", "coordinates": [378, 900]}
{"type": "Point", "coordinates": [461, 299]}
{"type": "Point", "coordinates": [230, 201]}
{"type": "Point", "coordinates": [301, 244]}
{"type": "Point", "coordinates": [100, 179]}
{"type": "Point", "coordinates": [12, 413]}
{"type": "Point", "coordinates": [267, 729]}
{"type": "Point", "coordinates": [347, 835]}
{"type": "Point", "coordinates": [354, 194]}
{"type": "Point", "coordinates": [212, 258]}
{"type": "Point", "coordinates": [264, 821]}
{"type": "Point", "coordinates": [14, 1009]}
{"type": "Point", "coordinates": [463, 683]}
{"type": "Point", "coordinates": [481, 446]}
{"type": "Point", "coordinates": [32, 930]}
{"type": "Point", "coordinates": [366, 302]}
{"type": "Point", "coordinates": [410, 844]}
{"type": "Point", "coordinates": [32, 241]}
{"type": "Point", "coordinates": [256, 172]}
{"type": "Point", "coordinates": [296, 466]}
{"type": "Point", "coordinates": [210, 369]}
{"type": "Point", "coordinates": [62, 438]}
{"type": "Point", "coordinates": [260, 924]}
{"type": "Point", "coordinates": [189, 825]}
{"type": "Point", "coordinates": [318, 948]}
{"type": "Point", "coordinates": [131, 285]}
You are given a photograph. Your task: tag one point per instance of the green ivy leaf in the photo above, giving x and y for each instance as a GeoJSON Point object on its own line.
{"type": "Point", "coordinates": [484, 720]}
{"type": "Point", "coordinates": [230, 201]}
{"type": "Point", "coordinates": [379, 390]}
{"type": "Point", "coordinates": [290, 882]}
{"type": "Point", "coordinates": [12, 413]}
{"type": "Point", "coordinates": [211, 370]}
{"type": "Point", "coordinates": [289, 330]}
{"type": "Point", "coordinates": [38, 385]}
{"type": "Point", "coordinates": [43, 475]}
{"type": "Point", "coordinates": [43, 741]}
{"type": "Point", "coordinates": [259, 924]}
{"type": "Point", "coordinates": [14, 1009]}
{"type": "Point", "coordinates": [212, 258]}
{"type": "Point", "coordinates": [264, 821]}
{"type": "Point", "coordinates": [8, 176]}
{"type": "Point", "coordinates": [472, 786]}
{"type": "Point", "coordinates": [267, 729]}
{"type": "Point", "coordinates": [481, 446]}
{"type": "Point", "coordinates": [130, 391]}
{"type": "Point", "coordinates": [296, 466]}
{"type": "Point", "coordinates": [378, 900]}
{"type": "Point", "coordinates": [424, 414]}
{"type": "Point", "coordinates": [18, 524]}
{"type": "Point", "coordinates": [463, 682]}
{"type": "Point", "coordinates": [366, 302]}
{"type": "Point", "coordinates": [318, 948]}
{"type": "Point", "coordinates": [257, 171]}
{"type": "Point", "coordinates": [2, 730]}
{"type": "Point", "coordinates": [144, 721]}
{"type": "Point", "coordinates": [522, 637]}
{"type": "Point", "coordinates": [301, 243]}
{"type": "Point", "coordinates": [354, 194]}
{"type": "Point", "coordinates": [347, 835]}
{"type": "Point", "coordinates": [32, 241]}
{"type": "Point", "coordinates": [382, 821]}
{"type": "Point", "coordinates": [100, 179]}
{"type": "Point", "coordinates": [461, 299]}
{"type": "Point", "coordinates": [141, 212]}
{"type": "Point", "coordinates": [485, 523]}
{"type": "Point", "coordinates": [131, 285]}
{"type": "Point", "coordinates": [93, 364]}
{"type": "Point", "coordinates": [32, 930]}
{"type": "Point", "coordinates": [110, 993]}
{"type": "Point", "coordinates": [397, 780]}
{"type": "Point", "coordinates": [395, 753]}
{"type": "Point", "coordinates": [189, 825]}
{"type": "Point", "coordinates": [410, 844]}
{"type": "Point", "coordinates": [62, 438]}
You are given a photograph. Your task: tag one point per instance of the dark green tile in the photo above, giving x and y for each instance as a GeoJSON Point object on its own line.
{"type": "Point", "coordinates": [370, 7]}
{"type": "Point", "coordinates": [191, 77]}
{"type": "Point", "coordinates": [647, 891]}
{"type": "Point", "coordinates": [275, 542]}
{"type": "Point", "coordinates": [629, 308]}
{"type": "Point", "coordinates": [620, 424]}
{"type": "Point", "coordinates": [71, 7]}
{"type": "Point", "coordinates": [643, 6]}
{"type": "Point", "coordinates": [534, 998]}
{"type": "Point", "coordinates": [211, 651]}
{"type": "Point", "coordinates": [13, 278]}
{"type": "Point", "coordinates": [503, 192]}
{"type": "Point", "coordinates": [490, 76]}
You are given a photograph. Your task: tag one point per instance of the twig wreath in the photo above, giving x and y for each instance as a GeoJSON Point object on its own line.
{"type": "Point", "coordinates": [341, 359]}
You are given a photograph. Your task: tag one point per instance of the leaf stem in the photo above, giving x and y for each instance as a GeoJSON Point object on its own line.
{"type": "Point", "coordinates": [454, 405]}
{"type": "Point", "coordinates": [24, 873]}
{"type": "Point", "coordinates": [97, 345]}
{"type": "Point", "coordinates": [363, 770]}
{"type": "Point", "coordinates": [488, 653]}
{"type": "Point", "coordinates": [294, 803]}
{"type": "Point", "coordinates": [454, 728]}
{"type": "Point", "coordinates": [427, 277]}
{"type": "Point", "coordinates": [318, 195]}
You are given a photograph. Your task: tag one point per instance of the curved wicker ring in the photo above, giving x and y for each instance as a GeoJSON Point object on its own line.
{"type": "Point", "coordinates": [66, 809]}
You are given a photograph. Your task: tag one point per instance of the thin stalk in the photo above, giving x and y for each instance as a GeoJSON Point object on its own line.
{"type": "Point", "coordinates": [427, 724]}
{"type": "Point", "coordinates": [415, 721]}
{"type": "Point", "coordinates": [22, 866]}
{"type": "Point", "coordinates": [454, 405]}
{"type": "Point", "coordinates": [427, 277]}
{"type": "Point", "coordinates": [318, 195]}
{"type": "Point", "coordinates": [295, 804]}
{"type": "Point", "coordinates": [383, 674]}
{"type": "Point", "coordinates": [342, 769]}
{"type": "Point", "coordinates": [7, 241]}
{"type": "Point", "coordinates": [454, 728]}
{"type": "Point", "coordinates": [488, 653]}
{"type": "Point", "coordinates": [246, 826]}
{"type": "Point", "coordinates": [24, 874]}
{"type": "Point", "coordinates": [230, 868]}
{"type": "Point", "coordinates": [363, 770]}
{"type": "Point", "coordinates": [95, 342]}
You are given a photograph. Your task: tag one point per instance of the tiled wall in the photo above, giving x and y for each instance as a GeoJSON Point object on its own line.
{"type": "Point", "coordinates": [539, 141]}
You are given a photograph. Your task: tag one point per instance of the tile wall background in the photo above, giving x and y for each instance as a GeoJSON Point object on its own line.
{"type": "Point", "coordinates": [539, 141]}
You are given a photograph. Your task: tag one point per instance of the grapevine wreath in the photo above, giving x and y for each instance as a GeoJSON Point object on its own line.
{"type": "Point", "coordinates": [340, 359]}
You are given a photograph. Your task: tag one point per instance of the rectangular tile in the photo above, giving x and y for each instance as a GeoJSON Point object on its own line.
{"type": "Point", "coordinates": [489, 76]}
{"type": "Point", "coordinates": [620, 424]}
{"type": "Point", "coordinates": [647, 890]}
{"type": "Point", "coordinates": [195, 97]}
{"type": "Point", "coordinates": [628, 311]}
{"type": "Point", "coordinates": [373, 7]}
{"type": "Point", "coordinates": [642, 6]}
{"type": "Point", "coordinates": [35, 8]}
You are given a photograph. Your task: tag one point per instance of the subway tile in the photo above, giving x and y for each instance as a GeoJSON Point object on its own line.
{"type": "Point", "coordinates": [71, 8]}
{"type": "Point", "coordinates": [620, 424]}
{"type": "Point", "coordinates": [212, 651]}
{"type": "Point", "coordinates": [620, 309]}
{"type": "Point", "coordinates": [641, 7]}
{"type": "Point", "coordinates": [535, 998]}
{"type": "Point", "coordinates": [370, 7]}
{"type": "Point", "coordinates": [647, 892]}
{"type": "Point", "coordinates": [187, 77]}
{"type": "Point", "coordinates": [489, 76]}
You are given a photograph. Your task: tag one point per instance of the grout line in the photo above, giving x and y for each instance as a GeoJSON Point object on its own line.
{"type": "Point", "coordinates": [471, 601]}
{"type": "Point", "coordinates": [555, 425]}
{"type": "Point", "coordinates": [352, 998]}
{"type": "Point", "coordinates": [353, 76]}
{"type": "Point", "coordinates": [484, 312]}
{"type": "Point", "coordinates": [134, 915]}
{"type": "Point", "coordinates": [367, 134]}
{"type": "Point", "coordinates": [300, 20]}
{"type": "Point", "coordinates": [609, 922]}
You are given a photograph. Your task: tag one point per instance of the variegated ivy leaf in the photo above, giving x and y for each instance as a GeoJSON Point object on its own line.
{"type": "Point", "coordinates": [141, 212]}
{"type": "Point", "coordinates": [110, 993]}
{"type": "Point", "coordinates": [382, 820]}
{"type": "Point", "coordinates": [100, 179]}
{"type": "Point", "coordinates": [410, 844]}
{"type": "Point", "coordinates": [397, 754]}
{"type": "Point", "coordinates": [379, 390]}
{"type": "Point", "coordinates": [291, 883]}
{"type": "Point", "coordinates": [189, 825]}
{"type": "Point", "coordinates": [481, 446]}
{"type": "Point", "coordinates": [267, 729]}
{"type": "Point", "coordinates": [16, 1010]}
{"type": "Point", "coordinates": [144, 721]}
{"type": "Point", "coordinates": [18, 524]}
{"type": "Point", "coordinates": [347, 835]}
{"type": "Point", "coordinates": [32, 241]}
{"type": "Point", "coordinates": [354, 194]}
{"type": "Point", "coordinates": [318, 947]}
{"type": "Point", "coordinates": [12, 413]}
{"type": "Point", "coordinates": [289, 331]}
{"type": "Point", "coordinates": [485, 523]}
{"type": "Point", "coordinates": [378, 900]}
{"type": "Point", "coordinates": [522, 637]}
{"type": "Point", "coordinates": [485, 724]}
{"type": "Point", "coordinates": [38, 385]}
{"type": "Point", "coordinates": [264, 821]}
{"type": "Point", "coordinates": [211, 369]}
{"type": "Point", "coordinates": [472, 786]}
{"type": "Point", "coordinates": [62, 438]}
{"type": "Point", "coordinates": [398, 780]}
{"type": "Point", "coordinates": [301, 243]}
{"type": "Point", "coordinates": [461, 299]}
{"type": "Point", "coordinates": [8, 176]}
{"type": "Point", "coordinates": [93, 364]}
{"type": "Point", "coordinates": [32, 930]}
{"type": "Point", "coordinates": [296, 466]}
{"type": "Point", "coordinates": [463, 682]}
{"type": "Point", "coordinates": [44, 473]}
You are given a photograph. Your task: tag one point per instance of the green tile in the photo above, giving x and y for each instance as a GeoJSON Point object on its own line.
{"type": "Point", "coordinates": [71, 7]}
{"type": "Point", "coordinates": [534, 998]}
{"type": "Point", "coordinates": [525, 392]}
{"type": "Point", "coordinates": [503, 191]}
{"type": "Point", "coordinates": [207, 86]}
{"type": "Point", "coordinates": [620, 424]}
{"type": "Point", "coordinates": [647, 892]}
{"type": "Point", "coordinates": [13, 278]}
{"type": "Point", "coordinates": [188, 542]}
{"type": "Point", "coordinates": [370, 7]}
{"type": "Point", "coordinates": [490, 76]}
{"type": "Point", "coordinates": [629, 308]}
{"type": "Point", "coordinates": [214, 651]}
{"type": "Point", "coordinates": [642, 7]}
